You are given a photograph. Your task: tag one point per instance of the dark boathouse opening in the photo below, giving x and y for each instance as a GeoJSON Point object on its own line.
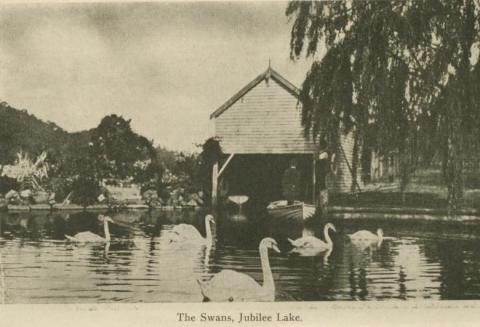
{"type": "Point", "coordinates": [259, 176]}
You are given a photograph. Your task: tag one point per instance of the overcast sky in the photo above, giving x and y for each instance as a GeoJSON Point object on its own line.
{"type": "Point", "coordinates": [166, 66]}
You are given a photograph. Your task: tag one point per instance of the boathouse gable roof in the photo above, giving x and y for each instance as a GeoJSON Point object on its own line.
{"type": "Point", "coordinates": [263, 118]}
{"type": "Point", "coordinates": [269, 73]}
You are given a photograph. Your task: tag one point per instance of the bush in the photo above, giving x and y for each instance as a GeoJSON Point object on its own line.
{"type": "Point", "coordinates": [61, 187]}
{"type": "Point", "coordinates": [85, 191]}
{"type": "Point", "coordinates": [7, 184]}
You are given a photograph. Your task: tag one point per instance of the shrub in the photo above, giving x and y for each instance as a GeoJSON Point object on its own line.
{"type": "Point", "coordinates": [85, 190]}
{"type": "Point", "coordinates": [7, 184]}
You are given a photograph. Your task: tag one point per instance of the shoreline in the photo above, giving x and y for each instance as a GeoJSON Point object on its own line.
{"type": "Point", "coordinates": [336, 212]}
{"type": "Point", "coordinates": [398, 213]}
{"type": "Point", "coordinates": [97, 207]}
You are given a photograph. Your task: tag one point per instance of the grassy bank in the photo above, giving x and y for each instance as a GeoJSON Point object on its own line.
{"type": "Point", "coordinates": [425, 190]}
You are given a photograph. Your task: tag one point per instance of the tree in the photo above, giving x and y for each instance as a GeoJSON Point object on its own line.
{"type": "Point", "coordinates": [401, 74]}
{"type": "Point", "coordinates": [112, 150]}
{"type": "Point", "coordinates": [187, 171]}
{"type": "Point", "coordinates": [121, 153]}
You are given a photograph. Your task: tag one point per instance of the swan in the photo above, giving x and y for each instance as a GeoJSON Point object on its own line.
{"type": "Point", "coordinates": [89, 237]}
{"type": "Point", "coordinates": [326, 256]}
{"type": "Point", "coordinates": [229, 285]}
{"type": "Point", "coordinates": [364, 239]}
{"type": "Point", "coordinates": [188, 233]}
{"type": "Point", "coordinates": [311, 245]}
{"type": "Point", "coordinates": [365, 235]}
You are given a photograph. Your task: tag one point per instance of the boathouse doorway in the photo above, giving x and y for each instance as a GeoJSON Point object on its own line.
{"type": "Point", "coordinates": [259, 176]}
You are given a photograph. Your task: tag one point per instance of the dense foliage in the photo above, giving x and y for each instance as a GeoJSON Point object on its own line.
{"type": "Point", "coordinates": [79, 161]}
{"type": "Point", "coordinates": [112, 152]}
{"type": "Point", "coordinates": [85, 185]}
{"type": "Point", "coordinates": [120, 152]}
{"type": "Point", "coordinates": [403, 75]}
{"type": "Point", "coordinates": [191, 172]}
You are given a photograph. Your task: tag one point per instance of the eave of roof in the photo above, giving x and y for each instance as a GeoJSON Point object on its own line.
{"type": "Point", "coordinates": [269, 73]}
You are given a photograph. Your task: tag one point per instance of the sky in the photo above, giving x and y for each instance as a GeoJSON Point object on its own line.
{"type": "Point", "coordinates": [165, 66]}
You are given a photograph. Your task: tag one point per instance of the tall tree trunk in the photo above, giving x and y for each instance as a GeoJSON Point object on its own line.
{"type": "Point", "coordinates": [459, 100]}
{"type": "Point", "coordinates": [355, 161]}
{"type": "Point", "coordinates": [333, 149]}
{"type": "Point", "coordinates": [454, 173]}
{"type": "Point", "coordinates": [406, 163]}
{"type": "Point", "coordinates": [404, 172]}
{"type": "Point", "coordinates": [454, 176]}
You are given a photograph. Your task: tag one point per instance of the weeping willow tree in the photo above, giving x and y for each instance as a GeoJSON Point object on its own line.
{"type": "Point", "coordinates": [402, 75]}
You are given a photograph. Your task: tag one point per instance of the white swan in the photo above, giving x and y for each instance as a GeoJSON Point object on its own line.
{"type": "Point", "coordinates": [364, 239]}
{"type": "Point", "coordinates": [229, 285]}
{"type": "Point", "coordinates": [188, 233]}
{"type": "Point", "coordinates": [365, 235]}
{"type": "Point", "coordinates": [311, 245]}
{"type": "Point", "coordinates": [326, 256]}
{"type": "Point", "coordinates": [89, 237]}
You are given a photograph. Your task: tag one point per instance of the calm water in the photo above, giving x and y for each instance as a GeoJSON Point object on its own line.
{"type": "Point", "coordinates": [425, 261]}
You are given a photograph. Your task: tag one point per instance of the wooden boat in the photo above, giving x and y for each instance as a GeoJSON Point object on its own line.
{"type": "Point", "coordinates": [296, 211]}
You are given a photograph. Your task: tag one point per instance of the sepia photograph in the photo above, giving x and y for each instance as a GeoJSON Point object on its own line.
{"type": "Point", "coordinates": [246, 151]}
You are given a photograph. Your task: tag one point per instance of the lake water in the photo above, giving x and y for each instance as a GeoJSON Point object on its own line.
{"type": "Point", "coordinates": [424, 261]}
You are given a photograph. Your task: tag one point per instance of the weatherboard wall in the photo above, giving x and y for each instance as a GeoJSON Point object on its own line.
{"type": "Point", "coordinates": [341, 179]}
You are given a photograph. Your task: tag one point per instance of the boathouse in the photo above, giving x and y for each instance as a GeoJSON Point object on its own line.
{"type": "Point", "coordinates": [260, 130]}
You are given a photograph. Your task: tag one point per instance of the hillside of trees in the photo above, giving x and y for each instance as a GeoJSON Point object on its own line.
{"type": "Point", "coordinates": [21, 131]}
